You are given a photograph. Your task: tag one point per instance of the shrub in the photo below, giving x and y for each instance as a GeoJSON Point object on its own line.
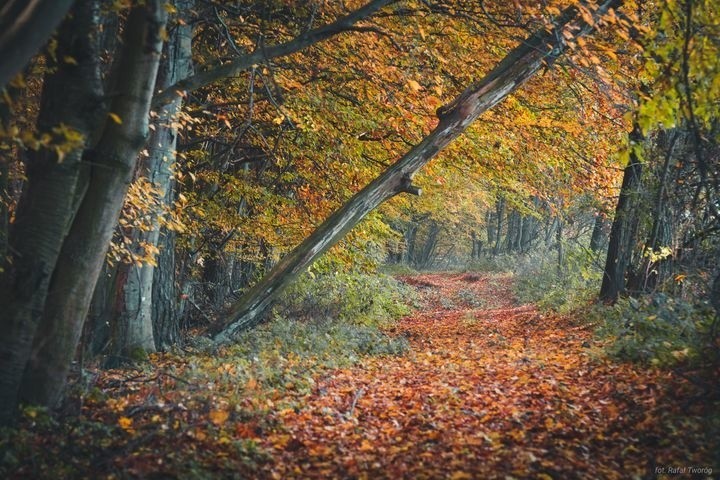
{"type": "Point", "coordinates": [353, 298]}
{"type": "Point", "coordinates": [657, 329]}
{"type": "Point", "coordinates": [538, 280]}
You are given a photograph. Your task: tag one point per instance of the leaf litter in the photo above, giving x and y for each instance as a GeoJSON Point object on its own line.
{"type": "Point", "coordinates": [488, 389]}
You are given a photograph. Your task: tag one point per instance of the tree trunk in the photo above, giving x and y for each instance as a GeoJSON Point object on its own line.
{"type": "Point", "coordinates": [560, 249]}
{"type": "Point", "coordinates": [660, 234]}
{"type": "Point", "coordinates": [424, 257]}
{"type": "Point", "coordinates": [513, 71]}
{"type": "Point", "coordinates": [491, 228]}
{"type": "Point", "coordinates": [499, 215]}
{"type": "Point", "coordinates": [100, 314]}
{"type": "Point", "coordinates": [597, 237]}
{"type": "Point", "coordinates": [165, 318]}
{"type": "Point", "coordinates": [622, 233]}
{"type": "Point", "coordinates": [25, 26]}
{"type": "Point", "coordinates": [133, 328]}
{"type": "Point", "coordinates": [410, 237]}
{"type": "Point", "coordinates": [71, 97]}
{"type": "Point", "coordinates": [113, 161]}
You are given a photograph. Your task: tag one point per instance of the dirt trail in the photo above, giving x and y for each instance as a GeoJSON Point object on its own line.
{"type": "Point", "coordinates": [489, 389]}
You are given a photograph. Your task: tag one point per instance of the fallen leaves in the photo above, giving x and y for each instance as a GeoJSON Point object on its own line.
{"type": "Point", "coordinates": [489, 389]}
{"type": "Point", "coordinates": [492, 392]}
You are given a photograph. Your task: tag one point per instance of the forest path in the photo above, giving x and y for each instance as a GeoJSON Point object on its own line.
{"type": "Point", "coordinates": [489, 389]}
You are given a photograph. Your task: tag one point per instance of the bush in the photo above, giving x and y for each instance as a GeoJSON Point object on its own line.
{"type": "Point", "coordinates": [657, 329]}
{"type": "Point", "coordinates": [538, 280]}
{"type": "Point", "coordinates": [353, 298]}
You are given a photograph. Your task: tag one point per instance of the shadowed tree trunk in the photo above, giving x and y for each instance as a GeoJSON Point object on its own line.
{"type": "Point", "coordinates": [624, 226]}
{"type": "Point", "coordinates": [499, 216]}
{"type": "Point", "coordinates": [513, 71]}
{"type": "Point", "coordinates": [25, 26]}
{"type": "Point", "coordinates": [597, 237]}
{"type": "Point", "coordinates": [71, 96]}
{"type": "Point", "coordinates": [112, 163]}
{"type": "Point", "coordinates": [424, 257]}
{"type": "Point", "coordinates": [165, 318]}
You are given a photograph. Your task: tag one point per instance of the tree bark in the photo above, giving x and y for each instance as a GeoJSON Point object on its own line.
{"type": "Point", "coordinates": [165, 317]}
{"type": "Point", "coordinates": [597, 237]}
{"type": "Point", "coordinates": [25, 26]}
{"type": "Point", "coordinates": [71, 96]}
{"type": "Point", "coordinates": [133, 332]}
{"type": "Point", "coordinates": [514, 70]}
{"type": "Point", "coordinates": [113, 161]}
{"type": "Point", "coordinates": [622, 233]}
{"type": "Point", "coordinates": [499, 216]}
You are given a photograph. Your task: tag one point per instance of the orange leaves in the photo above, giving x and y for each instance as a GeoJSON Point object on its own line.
{"type": "Point", "coordinates": [489, 389]}
{"type": "Point", "coordinates": [498, 389]}
{"type": "Point", "coordinates": [126, 424]}
{"type": "Point", "coordinates": [218, 417]}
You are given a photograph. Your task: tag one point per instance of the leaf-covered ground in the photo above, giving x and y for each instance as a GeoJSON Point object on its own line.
{"type": "Point", "coordinates": [488, 389]}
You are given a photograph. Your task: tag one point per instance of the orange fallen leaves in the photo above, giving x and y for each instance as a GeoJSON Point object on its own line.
{"type": "Point", "coordinates": [489, 389]}
{"type": "Point", "coordinates": [496, 392]}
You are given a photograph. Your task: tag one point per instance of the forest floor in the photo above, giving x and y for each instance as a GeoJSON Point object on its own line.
{"type": "Point", "coordinates": [488, 389]}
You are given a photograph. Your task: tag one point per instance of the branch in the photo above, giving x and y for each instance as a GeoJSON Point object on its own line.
{"type": "Point", "coordinates": [264, 54]}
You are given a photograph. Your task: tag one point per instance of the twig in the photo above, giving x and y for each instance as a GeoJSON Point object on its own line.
{"type": "Point", "coordinates": [357, 396]}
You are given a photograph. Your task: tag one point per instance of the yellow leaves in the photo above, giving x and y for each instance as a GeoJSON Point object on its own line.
{"type": "Point", "coordinates": [126, 424]}
{"type": "Point", "coordinates": [218, 417]}
{"type": "Point", "coordinates": [461, 475]}
{"type": "Point", "coordinates": [414, 86]}
{"type": "Point", "coordinates": [115, 118]}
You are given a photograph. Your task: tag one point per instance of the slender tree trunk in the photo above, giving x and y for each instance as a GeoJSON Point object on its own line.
{"type": "Point", "coordinates": [113, 161]}
{"type": "Point", "coordinates": [622, 233]}
{"type": "Point", "coordinates": [491, 228]}
{"type": "Point", "coordinates": [410, 237]}
{"type": "Point", "coordinates": [71, 97]}
{"type": "Point", "coordinates": [597, 237]}
{"type": "Point", "coordinates": [133, 333]}
{"type": "Point", "coordinates": [512, 72]}
{"type": "Point", "coordinates": [499, 215]}
{"type": "Point", "coordinates": [560, 249]}
{"type": "Point", "coordinates": [649, 271]}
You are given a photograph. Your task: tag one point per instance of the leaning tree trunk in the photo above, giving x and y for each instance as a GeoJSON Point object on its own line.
{"type": "Point", "coordinates": [70, 106]}
{"type": "Point", "coordinates": [622, 233]}
{"type": "Point", "coordinates": [112, 164]}
{"type": "Point", "coordinates": [514, 70]}
{"type": "Point", "coordinates": [133, 332]}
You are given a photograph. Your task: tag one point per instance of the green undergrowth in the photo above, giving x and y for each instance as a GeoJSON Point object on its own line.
{"type": "Point", "coordinates": [538, 279]}
{"type": "Point", "coordinates": [658, 330]}
{"type": "Point", "coordinates": [321, 323]}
